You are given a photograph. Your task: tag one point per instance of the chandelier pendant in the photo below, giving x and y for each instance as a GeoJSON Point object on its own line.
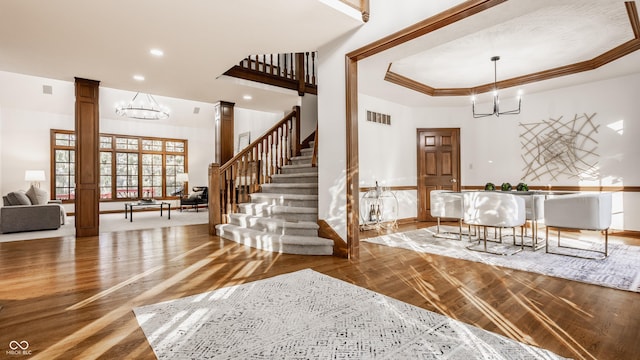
{"type": "Point", "coordinates": [145, 108]}
{"type": "Point", "coordinates": [496, 97]}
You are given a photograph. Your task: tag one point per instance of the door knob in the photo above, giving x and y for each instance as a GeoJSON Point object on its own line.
{"type": "Point", "coordinates": [453, 180]}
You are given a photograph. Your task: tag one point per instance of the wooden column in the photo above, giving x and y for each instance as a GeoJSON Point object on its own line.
{"type": "Point", "coordinates": [87, 143]}
{"type": "Point", "coordinates": [224, 131]}
{"type": "Point", "coordinates": [215, 216]}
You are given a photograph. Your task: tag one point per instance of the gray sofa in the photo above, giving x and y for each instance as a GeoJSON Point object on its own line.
{"type": "Point", "coordinates": [19, 218]}
{"type": "Point", "coordinates": [29, 211]}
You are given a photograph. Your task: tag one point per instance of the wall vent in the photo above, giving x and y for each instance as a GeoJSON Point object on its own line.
{"type": "Point", "coordinates": [378, 118]}
{"type": "Point", "coordinates": [47, 89]}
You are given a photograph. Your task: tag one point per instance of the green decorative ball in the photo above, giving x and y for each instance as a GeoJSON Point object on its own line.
{"type": "Point", "coordinates": [522, 187]}
{"type": "Point", "coordinates": [506, 186]}
{"type": "Point", "coordinates": [489, 186]}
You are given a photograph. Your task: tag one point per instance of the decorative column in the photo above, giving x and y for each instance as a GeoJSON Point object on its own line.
{"type": "Point", "coordinates": [224, 131]}
{"type": "Point", "coordinates": [87, 172]}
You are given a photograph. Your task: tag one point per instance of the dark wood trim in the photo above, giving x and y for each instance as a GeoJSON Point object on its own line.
{"type": "Point", "coordinates": [629, 189]}
{"type": "Point", "coordinates": [87, 174]}
{"type": "Point", "coordinates": [352, 180]}
{"type": "Point", "coordinates": [392, 188]}
{"type": "Point", "coordinates": [582, 66]}
{"type": "Point", "coordinates": [456, 13]}
{"type": "Point", "coordinates": [215, 213]}
{"type": "Point", "coordinates": [340, 248]}
{"type": "Point", "coordinates": [438, 21]}
{"type": "Point", "coordinates": [632, 11]}
{"type": "Point", "coordinates": [270, 79]}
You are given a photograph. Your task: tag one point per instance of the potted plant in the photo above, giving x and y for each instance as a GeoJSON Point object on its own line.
{"type": "Point", "coordinates": [505, 186]}
{"type": "Point", "coordinates": [489, 186]}
{"type": "Point", "coordinates": [522, 187]}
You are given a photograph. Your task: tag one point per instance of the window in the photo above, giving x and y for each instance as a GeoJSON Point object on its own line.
{"type": "Point", "coordinates": [64, 166]}
{"type": "Point", "coordinates": [130, 167]}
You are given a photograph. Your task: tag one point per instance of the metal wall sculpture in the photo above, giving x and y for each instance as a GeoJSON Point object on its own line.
{"type": "Point", "coordinates": [557, 148]}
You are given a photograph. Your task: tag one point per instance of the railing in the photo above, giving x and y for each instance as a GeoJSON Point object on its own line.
{"type": "Point", "coordinates": [253, 166]}
{"type": "Point", "coordinates": [292, 71]}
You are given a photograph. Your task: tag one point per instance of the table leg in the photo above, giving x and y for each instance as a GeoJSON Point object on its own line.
{"type": "Point", "coordinates": [169, 211]}
{"type": "Point", "coordinates": [161, 206]}
{"type": "Point", "coordinates": [131, 213]}
{"type": "Point", "coordinates": [125, 211]}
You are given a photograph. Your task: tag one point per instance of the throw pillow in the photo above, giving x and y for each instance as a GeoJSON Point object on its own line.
{"type": "Point", "coordinates": [37, 195]}
{"type": "Point", "coordinates": [18, 198]}
{"type": "Point", "coordinates": [195, 195]}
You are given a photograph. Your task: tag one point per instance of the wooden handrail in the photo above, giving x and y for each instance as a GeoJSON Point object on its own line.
{"type": "Point", "coordinates": [295, 71]}
{"type": "Point", "coordinates": [254, 165]}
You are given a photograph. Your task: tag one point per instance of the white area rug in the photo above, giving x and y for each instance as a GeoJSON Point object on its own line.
{"type": "Point", "coordinates": [117, 222]}
{"type": "Point", "coordinates": [308, 315]}
{"type": "Point", "coordinates": [621, 270]}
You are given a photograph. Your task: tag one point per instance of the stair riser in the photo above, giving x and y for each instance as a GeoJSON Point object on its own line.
{"type": "Point", "coordinates": [306, 152]}
{"type": "Point", "coordinates": [275, 229]}
{"type": "Point", "coordinates": [283, 248]}
{"type": "Point", "coordinates": [295, 180]}
{"type": "Point", "coordinates": [300, 161]}
{"type": "Point", "coordinates": [286, 202]}
{"type": "Point", "coordinates": [289, 170]}
{"type": "Point", "coordinates": [277, 214]}
{"type": "Point", "coordinates": [296, 217]}
{"type": "Point", "coordinates": [290, 190]}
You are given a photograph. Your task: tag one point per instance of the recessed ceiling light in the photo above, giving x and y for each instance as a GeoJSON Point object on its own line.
{"type": "Point", "coordinates": [247, 97]}
{"type": "Point", "coordinates": [156, 52]}
{"type": "Point", "coordinates": [138, 77]}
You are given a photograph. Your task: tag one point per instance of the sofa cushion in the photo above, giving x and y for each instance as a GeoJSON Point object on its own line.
{"type": "Point", "coordinates": [195, 195]}
{"type": "Point", "coordinates": [18, 198]}
{"type": "Point", "coordinates": [37, 195]}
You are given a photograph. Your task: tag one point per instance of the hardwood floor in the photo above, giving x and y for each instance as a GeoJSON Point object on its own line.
{"type": "Point", "coordinates": [73, 298]}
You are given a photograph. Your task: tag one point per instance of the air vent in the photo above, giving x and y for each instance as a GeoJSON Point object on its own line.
{"type": "Point", "coordinates": [378, 118]}
{"type": "Point", "coordinates": [47, 89]}
{"type": "Point", "coordinates": [196, 110]}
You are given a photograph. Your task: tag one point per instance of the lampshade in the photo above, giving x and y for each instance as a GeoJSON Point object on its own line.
{"type": "Point", "coordinates": [34, 175]}
{"type": "Point", "coordinates": [182, 177]}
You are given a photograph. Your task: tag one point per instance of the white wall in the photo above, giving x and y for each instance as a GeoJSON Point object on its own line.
{"type": "Point", "coordinates": [309, 117]}
{"type": "Point", "coordinates": [387, 17]}
{"type": "Point", "coordinates": [28, 115]}
{"type": "Point", "coordinates": [253, 121]}
{"type": "Point", "coordinates": [491, 150]}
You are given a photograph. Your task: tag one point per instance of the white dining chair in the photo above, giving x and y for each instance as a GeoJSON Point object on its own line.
{"type": "Point", "coordinates": [582, 211]}
{"type": "Point", "coordinates": [448, 205]}
{"type": "Point", "coordinates": [494, 209]}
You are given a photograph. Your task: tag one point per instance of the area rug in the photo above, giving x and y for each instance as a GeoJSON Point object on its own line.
{"type": "Point", "coordinates": [308, 315]}
{"type": "Point", "coordinates": [620, 270]}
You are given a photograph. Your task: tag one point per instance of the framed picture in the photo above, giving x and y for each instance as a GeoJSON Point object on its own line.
{"type": "Point", "coordinates": [244, 139]}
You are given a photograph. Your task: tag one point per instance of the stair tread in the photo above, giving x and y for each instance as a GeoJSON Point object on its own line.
{"type": "Point", "coordinates": [280, 222]}
{"type": "Point", "coordinates": [298, 166]}
{"type": "Point", "coordinates": [284, 239]}
{"type": "Point", "coordinates": [285, 196]}
{"type": "Point", "coordinates": [302, 174]}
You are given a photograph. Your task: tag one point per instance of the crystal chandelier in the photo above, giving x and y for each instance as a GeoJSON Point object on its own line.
{"type": "Point", "coordinates": [496, 99]}
{"type": "Point", "coordinates": [144, 108]}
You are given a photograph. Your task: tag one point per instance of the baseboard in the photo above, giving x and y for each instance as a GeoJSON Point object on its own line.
{"type": "Point", "coordinates": [340, 248]}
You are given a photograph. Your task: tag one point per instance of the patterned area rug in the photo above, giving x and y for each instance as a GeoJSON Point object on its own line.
{"type": "Point", "coordinates": [620, 270]}
{"type": "Point", "coordinates": [308, 315]}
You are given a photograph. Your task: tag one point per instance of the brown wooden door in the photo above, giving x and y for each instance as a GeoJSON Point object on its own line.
{"type": "Point", "coordinates": [438, 165]}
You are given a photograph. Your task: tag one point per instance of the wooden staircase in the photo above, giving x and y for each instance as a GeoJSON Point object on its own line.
{"type": "Point", "coordinates": [283, 216]}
